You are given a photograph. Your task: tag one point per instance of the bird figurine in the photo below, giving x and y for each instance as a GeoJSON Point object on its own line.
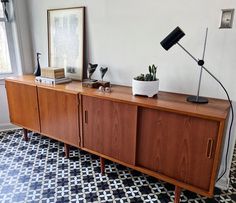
{"type": "Point", "coordinates": [91, 69]}
{"type": "Point", "coordinates": [103, 72]}
{"type": "Point", "coordinates": [5, 8]}
{"type": "Point", "coordinates": [37, 71]}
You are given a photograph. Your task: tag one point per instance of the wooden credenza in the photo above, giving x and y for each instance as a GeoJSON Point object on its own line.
{"type": "Point", "coordinates": [165, 137]}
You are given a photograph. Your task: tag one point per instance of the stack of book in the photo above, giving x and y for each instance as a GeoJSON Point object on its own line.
{"type": "Point", "coordinates": [54, 73]}
{"type": "Point", "coordinates": [52, 76]}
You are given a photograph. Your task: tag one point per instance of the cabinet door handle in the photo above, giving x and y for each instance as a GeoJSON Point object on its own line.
{"type": "Point", "coordinates": [209, 149]}
{"type": "Point", "coordinates": [86, 117]}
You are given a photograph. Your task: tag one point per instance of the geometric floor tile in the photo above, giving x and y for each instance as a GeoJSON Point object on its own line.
{"type": "Point", "coordinates": [37, 171]}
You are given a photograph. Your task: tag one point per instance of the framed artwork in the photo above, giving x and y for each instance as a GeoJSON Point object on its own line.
{"type": "Point", "coordinates": [66, 40]}
{"type": "Point", "coordinates": [227, 18]}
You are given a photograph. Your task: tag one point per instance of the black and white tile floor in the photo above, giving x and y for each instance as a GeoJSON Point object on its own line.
{"type": "Point", "coordinates": [36, 171]}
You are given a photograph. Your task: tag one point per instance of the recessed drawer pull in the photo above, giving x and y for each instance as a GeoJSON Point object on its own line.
{"type": "Point", "coordinates": [86, 117]}
{"type": "Point", "coordinates": [209, 150]}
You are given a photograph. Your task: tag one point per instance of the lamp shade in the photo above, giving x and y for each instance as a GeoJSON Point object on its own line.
{"type": "Point", "coordinates": [172, 38]}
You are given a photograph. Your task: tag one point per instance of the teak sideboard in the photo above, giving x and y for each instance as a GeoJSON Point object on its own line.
{"type": "Point", "coordinates": [165, 137]}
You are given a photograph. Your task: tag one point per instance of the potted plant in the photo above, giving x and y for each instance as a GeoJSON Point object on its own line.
{"type": "Point", "coordinates": [148, 84]}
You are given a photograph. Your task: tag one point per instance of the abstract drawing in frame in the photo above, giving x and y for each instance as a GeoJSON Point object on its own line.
{"type": "Point", "coordinates": [66, 40]}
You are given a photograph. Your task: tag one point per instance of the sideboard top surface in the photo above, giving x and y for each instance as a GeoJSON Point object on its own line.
{"type": "Point", "coordinates": [216, 108]}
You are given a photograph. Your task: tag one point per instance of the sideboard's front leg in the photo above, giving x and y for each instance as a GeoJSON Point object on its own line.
{"type": "Point", "coordinates": [25, 134]}
{"type": "Point", "coordinates": [67, 150]}
{"type": "Point", "coordinates": [177, 194]}
{"type": "Point", "coordinates": [102, 165]}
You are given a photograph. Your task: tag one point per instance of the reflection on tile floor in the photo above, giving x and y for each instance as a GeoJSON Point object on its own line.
{"type": "Point", "coordinates": [36, 171]}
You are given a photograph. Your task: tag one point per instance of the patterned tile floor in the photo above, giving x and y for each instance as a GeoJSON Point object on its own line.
{"type": "Point", "coordinates": [36, 171]}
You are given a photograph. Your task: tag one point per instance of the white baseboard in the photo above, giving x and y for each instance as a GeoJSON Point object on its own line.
{"type": "Point", "coordinates": [8, 126]}
{"type": "Point", "coordinates": [223, 183]}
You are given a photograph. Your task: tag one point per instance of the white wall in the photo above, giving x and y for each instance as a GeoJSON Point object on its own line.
{"type": "Point", "coordinates": [22, 37]}
{"type": "Point", "coordinates": [22, 45]}
{"type": "Point", "coordinates": [125, 36]}
{"type": "Point", "coordinates": [4, 118]}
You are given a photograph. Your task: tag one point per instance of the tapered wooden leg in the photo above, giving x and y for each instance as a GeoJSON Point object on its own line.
{"type": "Point", "coordinates": [177, 194]}
{"type": "Point", "coordinates": [25, 134]}
{"type": "Point", "coordinates": [102, 165]}
{"type": "Point", "coordinates": [67, 150]}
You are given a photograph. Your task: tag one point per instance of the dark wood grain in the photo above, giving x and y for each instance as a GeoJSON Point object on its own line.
{"type": "Point", "coordinates": [67, 150]}
{"type": "Point", "coordinates": [167, 138]}
{"type": "Point", "coordinates": [59, 115]}
{"type": "Point", "coordinates": [176, 146]}
{"type": "Point", "coordinates": [110, 128]}
{"type": "Point", "coordinates": [102, 165]}
{"type": "Point", "coordinates": [23, 105]}
{"type": "Point", "coordinates": [177, 194]}
{"type": "Point", "coordinates": [218, 154]}
{"type": "Point", "coordinates": [157, 175]}
{"type": "Point", "coordinates": [25, 135]}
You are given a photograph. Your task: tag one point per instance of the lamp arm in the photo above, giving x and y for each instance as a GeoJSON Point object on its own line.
{"type": "Point", "coordinates": [230, 102]}
{"type": "Point", "coordinates": [195, 59]}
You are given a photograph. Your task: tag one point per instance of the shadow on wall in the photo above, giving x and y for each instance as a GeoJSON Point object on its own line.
{"type": "Point", "coordinates": [224, 182]}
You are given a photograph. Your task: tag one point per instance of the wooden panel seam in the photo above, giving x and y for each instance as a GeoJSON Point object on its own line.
{"type": "Point", "coordinates": [136, 136]}
{"type": "Point", "coordinates": [81, 121]}
{"type": "Point", "coordinates": [38, 109]}
{"type": "Point", "coordinates": [219, 145]}
{"type": "Point", "coordinates": [78, 119]}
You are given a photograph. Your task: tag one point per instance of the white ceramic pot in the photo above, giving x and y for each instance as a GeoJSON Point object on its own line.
{"type": "Point", "coordinates": [146, 88]}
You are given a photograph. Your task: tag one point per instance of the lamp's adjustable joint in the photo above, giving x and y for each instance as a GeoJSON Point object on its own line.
{"type": "Point", "coordinates": [200, 62]}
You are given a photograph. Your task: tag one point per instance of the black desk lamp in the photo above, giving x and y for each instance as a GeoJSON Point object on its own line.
{"type": "Point", "coordinates": [173, 39]}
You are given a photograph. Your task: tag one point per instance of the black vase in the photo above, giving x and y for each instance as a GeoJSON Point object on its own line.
{"type": "Point", "coordinates": [37, 71]}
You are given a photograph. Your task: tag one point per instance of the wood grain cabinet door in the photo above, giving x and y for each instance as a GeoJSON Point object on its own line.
{"type": "Point", "coordinates": [178, 146]}
{"type": "Point", "coordinates": [109, 128]}
{"type": "Point", "coordinates": [23, 105]}
{"type": "Point", "coordinates": [59, 115]}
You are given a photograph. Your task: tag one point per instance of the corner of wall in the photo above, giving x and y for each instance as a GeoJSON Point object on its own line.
{"type": "Point", "coordinates": [223, 183]}
{"type": "Point", "coordinates": [8, 126]}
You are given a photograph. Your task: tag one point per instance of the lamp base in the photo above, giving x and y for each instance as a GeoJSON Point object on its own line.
{"type": "Point", "coordinates": [199, 100]}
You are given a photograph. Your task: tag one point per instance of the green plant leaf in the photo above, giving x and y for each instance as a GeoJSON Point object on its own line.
{"type": "Point", "coordinates": [150, 69]}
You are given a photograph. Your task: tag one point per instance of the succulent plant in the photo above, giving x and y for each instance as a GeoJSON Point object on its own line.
{"type": "Point", "coordinates": [151, 76]}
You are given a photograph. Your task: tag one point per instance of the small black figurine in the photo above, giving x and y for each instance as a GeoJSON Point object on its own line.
{"type": "Point", "coordinates": [91, 69]}
{"type": "Point", "coordinates": [5, 6]}
{"type": "Point", "coordinates": [37, 71]}
{"type": "Point", "coordinates": [103, 72]}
